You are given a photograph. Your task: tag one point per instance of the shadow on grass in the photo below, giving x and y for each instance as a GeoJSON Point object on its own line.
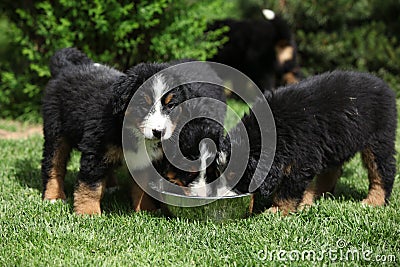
{"type": "Point", "coordinates": [349, 192]}
{"type": "Point", "coordinates": [344, 191]}
{"type": "Point", "coordinates": [346, 187]}
{"type": "Point", "coordinates": [28, 174]}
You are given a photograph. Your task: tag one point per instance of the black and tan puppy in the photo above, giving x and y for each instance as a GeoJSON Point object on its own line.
{"type": "Point", "coordinates": [263, 49]}
{"type": "Point", "coordinates": [84, 105]}
{"type": "Point", "coordinates": [78, 113]}
{"type": "Point", "coordinates": [321, 123]}
{"type": "Point", "coordinates": [181, 117]}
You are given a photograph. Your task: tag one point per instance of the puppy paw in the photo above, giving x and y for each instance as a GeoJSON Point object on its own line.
{"type": "Point", "coordinates": [304, 207]}
{"type": "Point", "coordinates": [53, 201]}
{"type": "Point", "coordinates": [88, 210]}
{"type": "Point", "coordinates": [273, 209]}
{"type": "Point", "coordinates": [373, 202]}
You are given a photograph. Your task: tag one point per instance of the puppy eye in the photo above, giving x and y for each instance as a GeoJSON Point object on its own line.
{"type": "Point", "coordinates": [170, 105]}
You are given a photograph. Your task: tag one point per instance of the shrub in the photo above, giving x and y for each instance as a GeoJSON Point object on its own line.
{"type": "Point", "coordinates": [119, 33]}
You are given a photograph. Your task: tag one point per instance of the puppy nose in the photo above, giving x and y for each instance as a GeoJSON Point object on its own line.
{"type": "Point", "coordinates": [157, 134]}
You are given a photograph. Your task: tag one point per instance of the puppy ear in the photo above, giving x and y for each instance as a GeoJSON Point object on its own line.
{"type": "Point", "coordinates": [189, 106]}
{"type": "Point", "coordinates": [123, 90]}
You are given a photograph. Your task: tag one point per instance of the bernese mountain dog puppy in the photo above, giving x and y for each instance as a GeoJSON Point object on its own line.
{"type": "Point", "coordinates": [264, 50]}
{"type": "Point", "coordinates": [321, 123]}
{"type": "Point", "coordinates": [77, 113]}
{"type": "Point", "coordinates": [83, 107]}
{"type": "Point", "coordinates": [197, 107]}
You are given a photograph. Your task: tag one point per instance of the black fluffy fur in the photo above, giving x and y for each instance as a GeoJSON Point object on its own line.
{"type": "Point", "coordinates": [77, 108]}
{"type": "Point", "coordinates": [321, 123]}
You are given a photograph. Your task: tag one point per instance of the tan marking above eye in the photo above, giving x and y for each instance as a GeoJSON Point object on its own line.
{"type": "Point", "coordinates": [177, 182]}
{"type": "Point", "coordinates": [284, 54]}
{"type": "Point", "coordinates": [148, 99]}
{"type": "Point", "coordinates": [168, 98]}
{"type": "Point", "coordinates": [171, 175]}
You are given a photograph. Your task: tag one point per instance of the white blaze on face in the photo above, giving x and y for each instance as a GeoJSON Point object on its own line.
{"type": "Point", "coordinates": [156, 120]}
{"type": "Point", "coordinates": [223, 189]}
{"type": "Point", "coordinates": [199, 187]}
{"type": "Point", "coordinates": [221, 160]}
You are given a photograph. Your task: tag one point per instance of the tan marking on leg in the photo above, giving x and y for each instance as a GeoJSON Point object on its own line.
{"type": "Point", "coordinates": [251, 206]}
{"type": "Point", "coordinates": [322, 183]}
{"type": "Point", "coordinates": [273, 209]}
{"type": "Point", "coordinates": [140, 200]}
{"type": "Point", "coordinates": [113, 155]}
{"type": "Point", "coordinates": [308, 196]}
{"type": "Point", "coordinates": [285, 206]}
{"type": "Point", "coordinates": [55, 184]}
{"type": "Point", "coordinates": [376, 193]}
{"type": "Point", "coordinates": [87, 198]}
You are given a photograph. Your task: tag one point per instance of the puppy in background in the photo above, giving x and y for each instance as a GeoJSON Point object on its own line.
{"type": "Point", "coordinates": [264, 50]}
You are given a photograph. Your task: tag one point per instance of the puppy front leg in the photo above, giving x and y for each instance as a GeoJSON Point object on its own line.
{"type": "Point", "coordinates": [54, 164]}
{"type": "Point", "coordinates": [90, 186]}
{"type": "Point", "coordinates": [289, 194]}
{"type": "Point", "coordinates": [325, 182]}
{"type": "Point", "coordinates": [140, 199]}
{"type": "Point", "coordinates": [284, 205]}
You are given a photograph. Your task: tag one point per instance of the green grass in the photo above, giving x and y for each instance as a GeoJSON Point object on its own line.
{"type": "Point", "coordinates": [33, 232]}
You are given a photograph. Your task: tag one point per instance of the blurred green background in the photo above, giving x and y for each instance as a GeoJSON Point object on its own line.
{"type": "Point", "coordinates": [362, 35]}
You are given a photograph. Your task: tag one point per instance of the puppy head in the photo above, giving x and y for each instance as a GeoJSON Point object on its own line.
{"type": "Point", "coordinates": [155, 109]}
{"type": "Point", "coordinates": [160, 110]}
{"type": "Point", "coordinates": [204, 171]}
{"type": "Point", "coordinates": [180, 177]}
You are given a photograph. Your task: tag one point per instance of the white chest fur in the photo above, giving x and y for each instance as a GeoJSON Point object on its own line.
{"type": "Point", "coordinates": [147, 151]}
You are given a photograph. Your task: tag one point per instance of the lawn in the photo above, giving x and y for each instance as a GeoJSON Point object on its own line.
{"type": "Point", "coordinates": [336, 230]}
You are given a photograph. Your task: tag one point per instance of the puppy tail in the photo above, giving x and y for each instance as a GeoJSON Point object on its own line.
{"type": "Point", "coordinates": [67, 57]}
